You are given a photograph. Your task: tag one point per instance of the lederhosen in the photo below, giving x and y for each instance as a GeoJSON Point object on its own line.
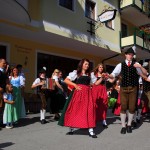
{"type": "Point", "coordinates": [43, 93]}
{"type": "Point", "coordinates": [146, 91]}
{"type": "Point", "coordinates": [128, 88]}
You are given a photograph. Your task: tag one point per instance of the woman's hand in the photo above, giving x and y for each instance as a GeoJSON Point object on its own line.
{"type": "Point", "coordinates": [78, 87]}
{"type": "Point", "coordinates": [137, 65]}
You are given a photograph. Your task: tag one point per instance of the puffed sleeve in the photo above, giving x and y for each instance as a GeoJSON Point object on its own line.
{"type": "Point", "coordinates": [37, 81]}
{"type": "Point", "coordinates": [22, 81]}
{"type": "Point", "coordinates": [4, 96]}
{"type": "Point", "coordinates": [72, 75]}
{"type": "Point", "coordinates": [93, 78]}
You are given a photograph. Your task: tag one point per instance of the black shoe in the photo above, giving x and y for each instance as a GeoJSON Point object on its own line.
{"type": "Point", "coordinates": [92, 136]}
{"type": "Point", "coordinates": [129, 129]}
{"type": "Point", "coordinates": [43, 121]}
{"type": "Point", "coordinates": [56, 118]}
{"type": "Point", "coordinates": [123, 130]}
{"type": "Point", "coordinates": [134, 124]}
{"type": "Point", "coordinates": [69, 133]}
{"type": "Point", "coordinates": [138, 120]}
{"type": "Point", "coordinates": [105, 126]}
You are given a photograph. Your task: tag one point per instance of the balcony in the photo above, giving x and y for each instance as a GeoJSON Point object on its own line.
{"type": "Point", "coordinates": [135, 12]}
{"type": "Point", "coordinates": [141, 40]}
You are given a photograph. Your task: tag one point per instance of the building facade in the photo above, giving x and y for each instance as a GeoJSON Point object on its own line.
{"type": "Point", "coordinates": [59, 33]}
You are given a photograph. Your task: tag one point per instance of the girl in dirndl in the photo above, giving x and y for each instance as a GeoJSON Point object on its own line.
{"type": "Point", "coordinates": [10, 113]}
{"type": "Point", "coordinates": [99, 94]}
{"type": "Point", "coordinates": [79, 110]}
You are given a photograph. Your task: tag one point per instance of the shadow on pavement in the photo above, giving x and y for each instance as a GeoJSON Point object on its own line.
{"type": "Point", "coordinates": [4, 145]}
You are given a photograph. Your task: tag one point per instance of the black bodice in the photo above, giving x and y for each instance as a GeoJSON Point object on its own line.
{"type": "Point", "coordinates": [83, 80]}
{"type": "Point", "coordinates": [103, 81]}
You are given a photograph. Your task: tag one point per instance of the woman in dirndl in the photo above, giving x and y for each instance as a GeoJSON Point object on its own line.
{"type": "Point", "coordinates": [99, 93]}
{"type": "Point", "coordinates": [17, 83]}
{"type": "Point", "coordinates": [79, 110]}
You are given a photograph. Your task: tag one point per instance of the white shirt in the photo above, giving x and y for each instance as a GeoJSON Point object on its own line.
{"type": "Point", "coordinates": [117, 69]}
{"type": "Point", "coordinates": [55, 78]}
{"type": "Point", "coordinates": [37, 81]}
{"type": "Point", "coordinates": [1, 69]}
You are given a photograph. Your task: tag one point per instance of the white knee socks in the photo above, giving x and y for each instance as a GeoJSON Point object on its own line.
{"type": "Point", "coordinates": [42, 114]}
{"type": "Point", "coordinates": [123, 119]}
{"type": "Point", "coordinates": [130, 118]}
{"type": "Point", "coordinates": [91, 131]}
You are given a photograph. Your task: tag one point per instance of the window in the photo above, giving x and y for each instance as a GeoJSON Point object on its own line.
{"type": "Point", "coordinates": [90, 9]}
{"type": "Point", "coordinates": [67, 4]}
{"type": "Point", "coordinates": [3, 53]}
{"type": "Point", "coordinates": [110, 24]}
{"type": "Point", "coordinates": [124, 30]}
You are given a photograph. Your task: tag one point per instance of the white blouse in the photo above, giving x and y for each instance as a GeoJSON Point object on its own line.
{"type": "Point", "coordinates": [73, 75]}
{"type": "Point", "coordinates": [93, 78]}
{"type": "Point", "coordinates": [55, 78]}
{"type": "Point", "coordinates": [37, 81]}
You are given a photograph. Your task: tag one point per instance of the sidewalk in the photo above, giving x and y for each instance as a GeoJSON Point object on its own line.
{"type": "Point", "coordinates": [29, 134]}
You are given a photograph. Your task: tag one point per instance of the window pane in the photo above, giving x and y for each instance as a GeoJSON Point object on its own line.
{"type": "Point", "coordinates": [124, 30]}
{"type": "Point", "coordinates": [66, 3]}
{"type": "Point", "coordinates": [90, 9]}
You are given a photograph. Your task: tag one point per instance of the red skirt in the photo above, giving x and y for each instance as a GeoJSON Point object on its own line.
{"type": "Point", "coordinates": [81, 109]}
{"type": "Point", "coordinates": [100, 97]}
{"type": "Point", "coordinates": [117, 106]}
{"type": "Point", "coordinates": [145, 107]}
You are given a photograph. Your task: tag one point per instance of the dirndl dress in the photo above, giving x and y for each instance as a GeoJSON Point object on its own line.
{"type": "Point", "coordinates": [100, 97]}
{"type": "Point", "coordinates": [80, 107]}
{"type": "Point", "coordinates": [10, 113]}
{"type": "Point", "coordinates": [117, 108]}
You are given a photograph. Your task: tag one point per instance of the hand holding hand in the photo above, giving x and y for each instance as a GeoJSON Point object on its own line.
{"type": "Point", "coordinates": [137, 65]}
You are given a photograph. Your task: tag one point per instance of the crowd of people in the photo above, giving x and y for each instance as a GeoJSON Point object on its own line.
{"type": "Point", "coordinates": [83, 96]}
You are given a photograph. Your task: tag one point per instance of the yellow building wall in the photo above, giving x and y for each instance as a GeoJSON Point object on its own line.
{"type": "Point", "coordinates": [59, 18]}
{"type": "Point", "coordinates": [24, 52]}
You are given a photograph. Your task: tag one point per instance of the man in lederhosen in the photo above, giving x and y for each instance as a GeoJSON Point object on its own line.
{"type": "Point", "coordinates": [129, 71]}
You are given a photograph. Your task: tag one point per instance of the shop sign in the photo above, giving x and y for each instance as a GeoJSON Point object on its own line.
{"type": "Point", "coordinates": [106, 16]}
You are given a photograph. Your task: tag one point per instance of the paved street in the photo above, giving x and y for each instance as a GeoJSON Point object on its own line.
{"type": "Point", "coordinates": [29, 134]}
